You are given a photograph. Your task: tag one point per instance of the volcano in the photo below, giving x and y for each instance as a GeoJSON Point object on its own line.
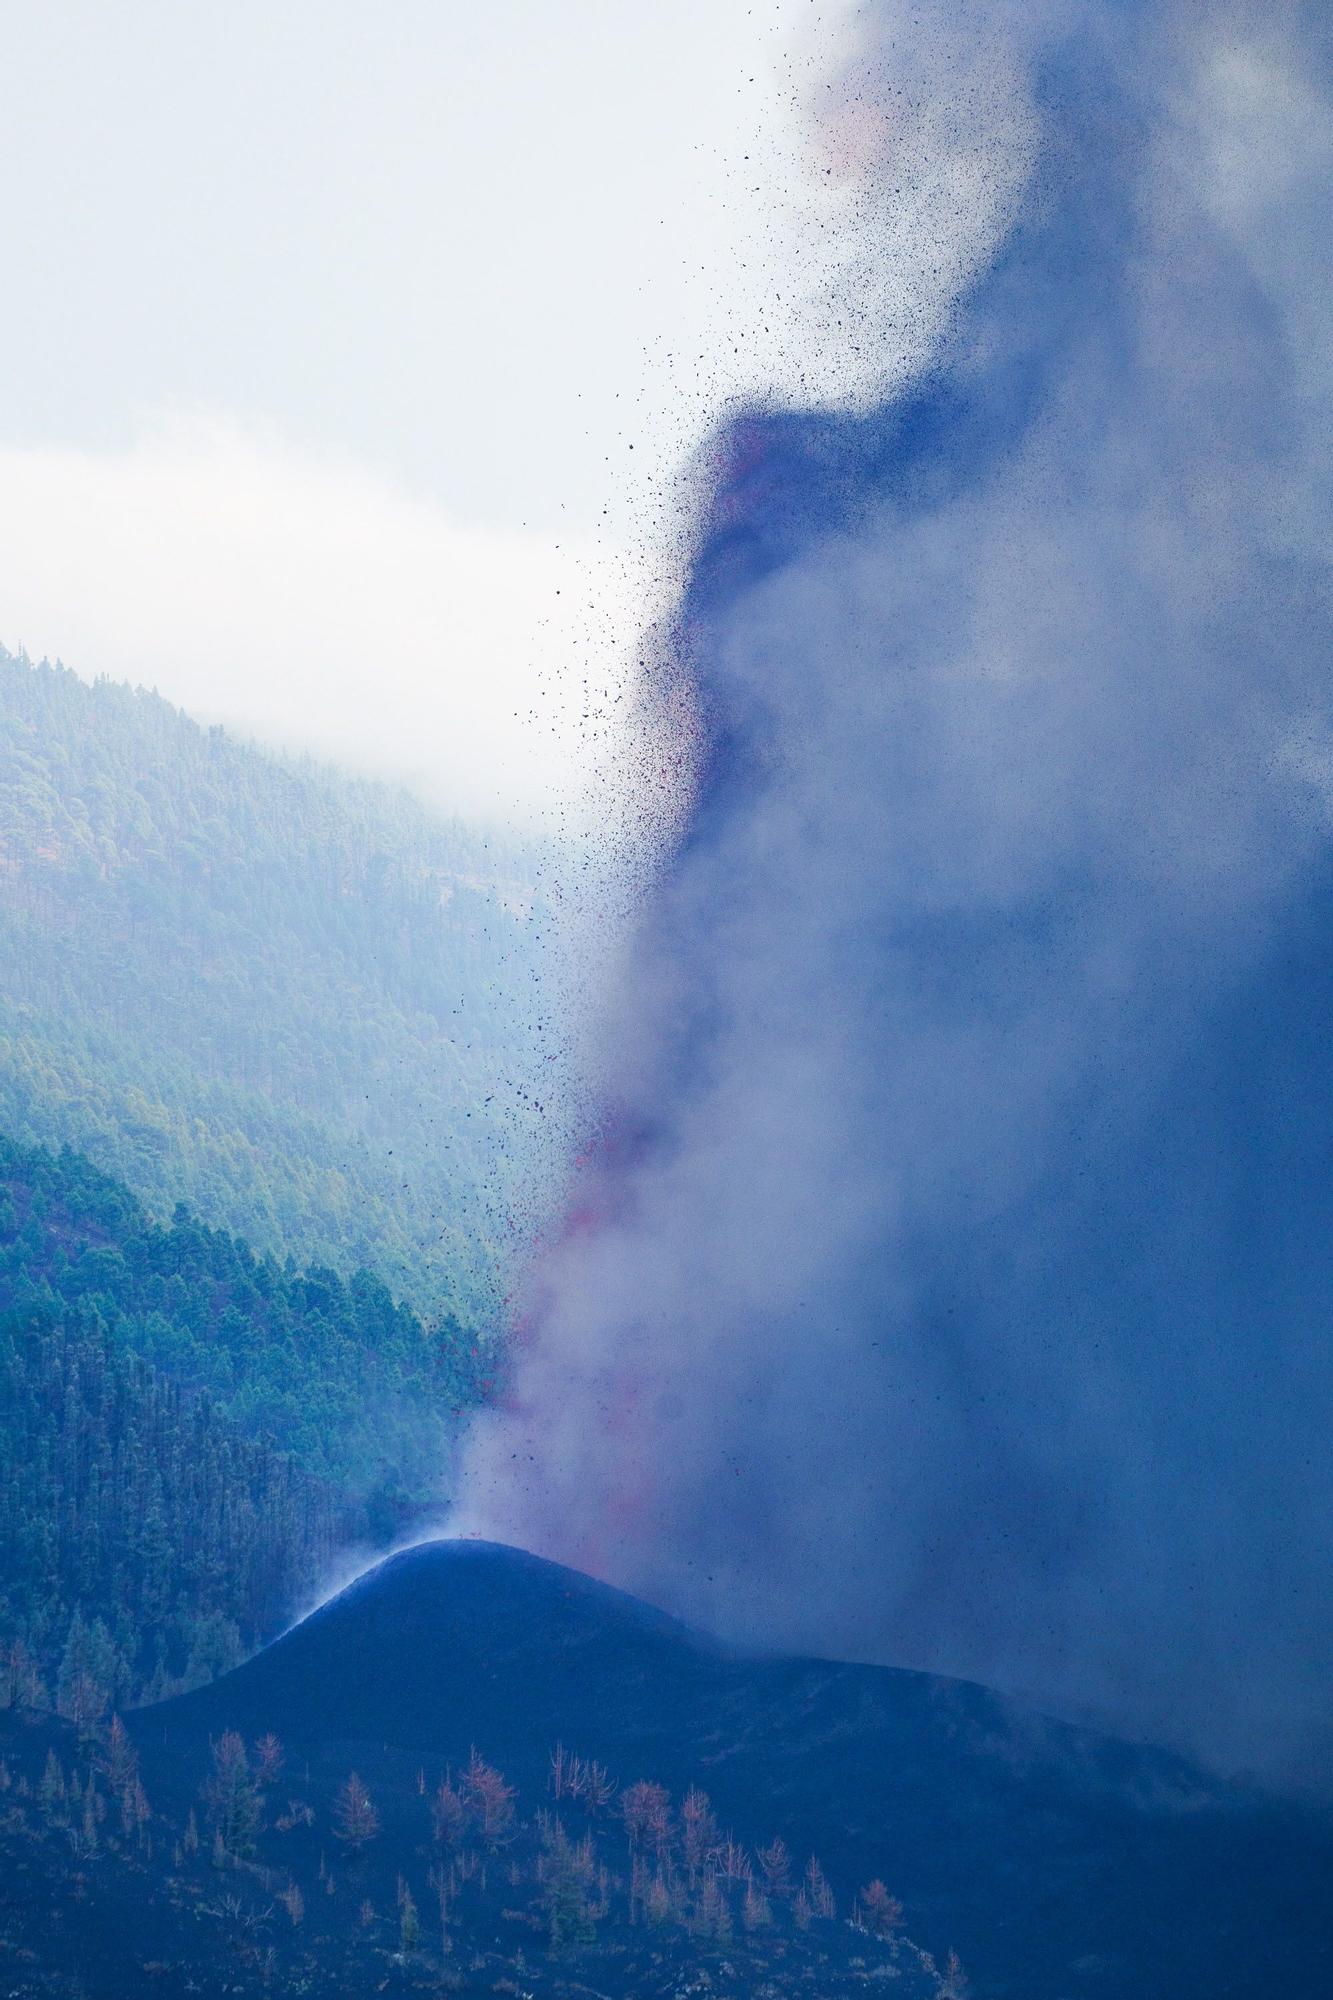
{"type": "Point", "coordinates": [1060, 1861]}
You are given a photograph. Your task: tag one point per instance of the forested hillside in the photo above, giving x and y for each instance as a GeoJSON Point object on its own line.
{"type": "Point", "coordinates": [332, 1370]}
{"type": "Point", "coordinates": [188, 1431]}
{"type": "Point", "coordinates": [295, 1001]}
{"type": "Point", "coordinates": [145, 1544]}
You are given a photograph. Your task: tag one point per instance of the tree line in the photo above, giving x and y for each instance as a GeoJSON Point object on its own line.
{"type": "Point", "coordinates": [188, 1432]}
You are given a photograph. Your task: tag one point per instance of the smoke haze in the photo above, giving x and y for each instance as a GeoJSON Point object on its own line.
{"type": "Point", "coordinates": [950, 1284]}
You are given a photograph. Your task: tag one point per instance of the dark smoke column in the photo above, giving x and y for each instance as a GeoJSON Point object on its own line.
{"type": "Point", "coordinates": [953, 1283]}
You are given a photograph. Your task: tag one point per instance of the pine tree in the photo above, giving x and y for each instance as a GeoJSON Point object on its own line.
{"type": "Point", "coordinates": [268, 1759]}
{"type": "Point", "coordinates": [566, 1872]}
{"type": "Point", "coordinates": [699, 1831]}
{"type": "Point", "coordinates": [490, 1801]}
{"type": "Point", "coordinates": [232, 1798]}
{"type": "Point", "coordinates": [448, 1814]}
{"type": "Point", "coordinates": [878, 1911]}
{"type": "Point", "coordinates": [409, 1924]}
{"type": "Point", "coordinates": [756, 1912]}
{"type": "Point", "coordinates": [646, 1809]}
{"type": "Point", "coordinates": [51, 1790]}
{"type": "Point", "coordinates": [818, 1892]}
{"type": "Point", "coordinates": [92, 1814]}
{"type": "Point", "coordinates": [957, 1985]}
{"type": "Point", "coordinates": [87, 1702]}
{"type": "Point", "coordinates": [355, 1819]}
{"type": "Point", "coordinates": [117, 1759]}
{"type": "Point", "coordinates": [21, 1683]}
{"type": "Point", "coordinates": [135, 1812]}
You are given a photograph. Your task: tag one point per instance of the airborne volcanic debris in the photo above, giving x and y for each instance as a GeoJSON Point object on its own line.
{"type": "Point", "coordinates": [974, 1008]}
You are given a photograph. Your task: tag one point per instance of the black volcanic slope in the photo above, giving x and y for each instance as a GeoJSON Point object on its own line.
{"type": "Point", "coordinates": [1061, 1863]}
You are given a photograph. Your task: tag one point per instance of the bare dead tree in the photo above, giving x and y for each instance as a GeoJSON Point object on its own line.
{"type": "Point", "coordinates": [775, 1861]}
{"type": "Point", "coordinates": [491, 1802]}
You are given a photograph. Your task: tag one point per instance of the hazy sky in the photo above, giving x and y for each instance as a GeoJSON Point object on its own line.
{"type": "Point", "coordinates": [331, 328]}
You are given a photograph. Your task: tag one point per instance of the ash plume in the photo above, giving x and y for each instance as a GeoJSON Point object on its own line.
{"type": "Point", "coordinates": [952, 1283]}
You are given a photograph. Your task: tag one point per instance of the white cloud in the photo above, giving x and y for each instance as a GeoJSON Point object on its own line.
{"type": "Point", "coordinates": [315, 605]}
{"type": "Point", "coordinates": [823, 216]}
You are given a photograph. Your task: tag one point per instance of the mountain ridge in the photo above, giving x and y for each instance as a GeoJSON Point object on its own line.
{"type": "Point", "coordinates": [298, 1001]}
{"type": "Point", "coordinates": [1034, 1844]}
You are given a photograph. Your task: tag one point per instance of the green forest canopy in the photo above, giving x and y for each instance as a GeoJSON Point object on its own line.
{"type": "Point", "coordinates": [189, 1431]}
{"type": "Point", "coordinates": [297, 1001]}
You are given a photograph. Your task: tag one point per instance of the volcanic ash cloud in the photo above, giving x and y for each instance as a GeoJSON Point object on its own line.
{"type": "Point", "coordinates": [952, 1283]}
